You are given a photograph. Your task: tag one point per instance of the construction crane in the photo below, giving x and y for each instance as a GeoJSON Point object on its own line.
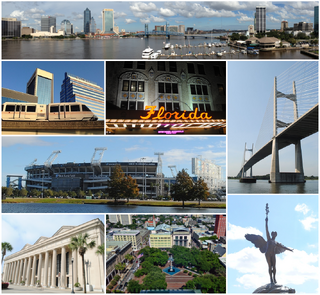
{"type": "Point", "coordinates": [52, 157]}
{"type": "Point", "coordinates": [171, 168]}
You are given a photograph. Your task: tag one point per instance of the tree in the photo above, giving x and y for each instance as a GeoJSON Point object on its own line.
{"type": "Point", "coordinates": [80, 244]}
{"type": "Point", "coordinates": [5, 246]}
{"type": "Point", "coordinates": [200, 190]}
{"type": "Point", "coordinates": [130, 188]}
{"type": "Point", "coordinates": [129, 257]}
{"type": "Point", "coordinates": [181, 190]}
{"type": "Point", "coordinates": [155, 280]}
{"type": "Point", "coordinates": [120, 266]}
{"type": "Point", "coordinates": [35, 193]}
{"type": "Point", "coordinates": [100, 251]}
{"type": "Point", "coordinates": [23, 192]}
{"type": "Point", "coordinates": [134, 287]}
{"type": "Point", "coordinates": [9, 191]}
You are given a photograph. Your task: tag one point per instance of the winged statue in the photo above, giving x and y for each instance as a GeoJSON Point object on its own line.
{"type": "Point", "coordinates": [270, 248]}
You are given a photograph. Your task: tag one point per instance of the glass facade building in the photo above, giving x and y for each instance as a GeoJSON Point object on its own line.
{"type": "Point", "coordinates": [260, 20]}
{"type": "Point", "coordinates": [11, 28]}
{"type": "Point", "coordinates": [41, 85]}
{"type": "Point", "coordinates": [66, 26]}
{"type": "Point", "coordinates": [76, 89]}
{"type": "Point", "coordinates": [47, 22]}
{"type": "Point", "coordinates": [316, 19]}
{"type": "Point", "coordinates": [86, 21]}
{"type": "Point", "coordinates": [107, 21]}
{"type": "Point", "coordinates": [92, 26]}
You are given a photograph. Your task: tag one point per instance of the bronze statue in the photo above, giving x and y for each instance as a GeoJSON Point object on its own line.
{"type": "Point", "coordinates": [270, 248]}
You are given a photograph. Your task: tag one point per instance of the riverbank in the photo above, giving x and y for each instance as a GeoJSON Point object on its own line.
{"type": "Point", "coordinates": [192, 204]}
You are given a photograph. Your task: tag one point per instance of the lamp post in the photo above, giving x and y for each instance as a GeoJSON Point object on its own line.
{"type": "Point", "coordinates": [72, 290]}
{"type": "Point", "coordinates": [87, 263]}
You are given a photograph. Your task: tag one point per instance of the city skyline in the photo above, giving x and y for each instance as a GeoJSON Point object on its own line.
{"type": "Point", "coordinates": [132, 17]}
{"type": "Point", "coordinates": [23, 70]}
{"type": "Point", "coordinates": [119, 149]}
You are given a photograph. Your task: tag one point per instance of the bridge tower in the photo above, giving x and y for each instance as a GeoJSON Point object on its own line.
{"type": "Point", "coordinates": [167, 33]}
{"type": "Point", "coordinates": [244, 177]}
{"type": "Point", "coordinates": [146, 31]}
{"type": "Point", "coordinates": [275, 174]}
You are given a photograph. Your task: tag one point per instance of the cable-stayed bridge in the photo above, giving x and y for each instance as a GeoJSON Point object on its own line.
{"type": "Point", "coordinates": [291, 115]}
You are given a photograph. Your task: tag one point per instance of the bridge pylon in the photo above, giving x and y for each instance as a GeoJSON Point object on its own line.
{"type": "Point", "coordinates": [244, 177]}
{"type": "Point", "coordinates": [275, 174]}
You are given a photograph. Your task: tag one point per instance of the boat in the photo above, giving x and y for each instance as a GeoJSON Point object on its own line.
{"type": "Point", "coordinates": [154, 55]}
{"type": "Point", "coordinates": [243, 51]}
{"type": "Point", "coordinates": [159, 51]}
{"type": "Point", "coordinates": [219, 53]}
{"type": "Point", "coordinates": [147, 52]}
{"type": "Point", "coordinates": [232, 51]}
{"type": "Point", "coordinates": [167, 46]}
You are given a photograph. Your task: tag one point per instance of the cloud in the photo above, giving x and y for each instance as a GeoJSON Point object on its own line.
{"type": "Point", "coordinates": [245, 18]}
{"type": "Point", "coordinates": [237, 232]}
{"type": "Point", "coordinates": [119, 14]}
{"type": "Point", "coordinates": [273, 19]}
{"type": "Point", "coordinates": [59, 15]}
{"type": "Point", "coordinates": [145, 20]}
{"type": "Point", "coordinates": [24, 140]}
{"type": "Point", "coordinates": [166, 12]}
{"type": "Point", "coordinates": [302, 208]}
{"type": "Point", "coordinates": [141, 9]}
{"type": "Point", "coordinates": [309, 223]}
{"type": "Point", "coordinates": [136, 148]}
{"type": "Point", "coordinates": [293, 268]}
{"type": "Point", "coordinates": [156, 19]}
{"type": "Point", "coordinates": [130, 21]}
{"type": "Point", "coordinates": [77, 16]}
{"type": "Point", "coordinates": [20, 15]}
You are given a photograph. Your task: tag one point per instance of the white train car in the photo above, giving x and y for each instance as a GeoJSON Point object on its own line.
{"type": "Point", "coordinates": [52, 112]}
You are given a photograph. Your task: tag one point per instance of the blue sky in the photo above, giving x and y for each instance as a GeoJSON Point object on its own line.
{"type": "Point", "coordinates": [20, 151]}
{"type": "Point", "coordinates": [132, 16]}
{"type": "Point", "coordinates": [16, 74]}
{"type": "Point", "coordinates": [295, 219]}
{"type": "Point", "coordinates": [250, 85]}
{"type": "Point", "coordinates": [21, 229]}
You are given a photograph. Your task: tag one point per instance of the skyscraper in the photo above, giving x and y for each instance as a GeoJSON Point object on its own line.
{"type": "Point", "coordinates": [92, 28]}
{"type": "Point", "coordinates": [316, 19]}
{"type": "Point", "coordinates": [41, 85]}
{"type": "Point", "coordinates": [260, 19]}
{"type": "Point", "coordinates": [47, 22]}
{"type": "Point", "coordinates": [86, 21]}
{"type": "Point", "coordinates": [220, 226]}
{"type": "Point", "coordinates": [66, 26]}
{"type": "Point", "coordinates": [11, 27]}
{"type": "Point", "coordinates": [107, 20]}
{"type": "Point", "coordinates": [76, 89]}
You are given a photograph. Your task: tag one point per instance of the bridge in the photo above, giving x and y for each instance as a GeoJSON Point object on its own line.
{"type": "Point", "coordinates": [304, 91]}
{"type": "Point", "coordinates": [166, 33]}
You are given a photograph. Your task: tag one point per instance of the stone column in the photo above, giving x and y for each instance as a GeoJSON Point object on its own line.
{"type": "Point", "coordinates": [28, 272]}
{"type": "Point", "coordinates": [63, 268]}
{"type": "Point", "coordinates": [13, 272]}
{"type": "Point", "coordinates": [33, 274]}
{"type": "Point", "coordinates": [16, 273]}
{"type": "Point", "coordinates": [5, 271]}
{"type": "Point", "coordinates": [24, 273]}
{"type": "Point", "coordinates": [45, 275]}
{"type": "Point", "coordinates": [20, 272]}
{"type": "Point", "coordinates": [39, 268]}
{"type": "Point", "coordinates": [54, 269]}
{"type": "Point", "coordinates": [75, 266]}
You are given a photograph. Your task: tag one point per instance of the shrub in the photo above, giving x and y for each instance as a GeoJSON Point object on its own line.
{"type": "Point", "coordinates": [117, 278]}
{"type": "Point", "coordinates": [185, 271]}
{"type": "Point", "coordinates": [4, 285]}
{"type": "Point", "coordinates": [195, 275]}
{"type": "Point", "coordinates": [189, 273]}
{"type": "Point", "coordinates": [77, 285]}
{"type": "Point", "coordinates": [109, 286]}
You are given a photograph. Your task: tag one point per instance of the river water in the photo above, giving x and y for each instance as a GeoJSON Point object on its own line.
{"type": "Point", "coordinates": [85, 208]}
{"type": "Point", "coordinates": [264, 187]}
{"type": "Point", "coordinates": [126, 48]}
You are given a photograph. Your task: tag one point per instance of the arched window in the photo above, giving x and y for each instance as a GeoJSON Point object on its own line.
{"type": "Point", "coordinates": [132, 91]}
{"type": "Point", "coordinates": [168, 92]}
{"type": "Point", "coordinates": [200, 94]}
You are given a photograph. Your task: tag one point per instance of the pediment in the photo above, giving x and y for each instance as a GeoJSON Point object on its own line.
{"type": "Point", "coordinates": [63, 229]}
{"type": "Point", "coordinates": [41, 239]}
{"type": "Point", "coordinates": [26, 246]}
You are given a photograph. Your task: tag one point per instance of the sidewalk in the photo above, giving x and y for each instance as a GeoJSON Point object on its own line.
{"type": "Point", "coordinates": [32, 290]}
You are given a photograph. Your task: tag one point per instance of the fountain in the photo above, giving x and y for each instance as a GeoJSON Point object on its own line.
{"type": "Point", "coordinates": [171, 270]}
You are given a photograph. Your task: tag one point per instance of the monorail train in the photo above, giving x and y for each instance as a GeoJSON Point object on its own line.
{"type": "Point", "coordinates": [51, 112]}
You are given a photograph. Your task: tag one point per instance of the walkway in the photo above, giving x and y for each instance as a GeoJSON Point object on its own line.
{"type": "Point", "coordinates": [33, 290]}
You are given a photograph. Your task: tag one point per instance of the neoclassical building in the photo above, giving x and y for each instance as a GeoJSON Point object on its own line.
{"type": "Point", "coordinates": [49, 260]}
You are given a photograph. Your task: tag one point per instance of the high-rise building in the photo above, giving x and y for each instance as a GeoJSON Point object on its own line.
{"type": "Point", "coordinates": [41, 85]}
{"type": "Point", "coordinates": [107, 20]}
{"type": "Point", "coordinates": [303, 26]}
{"type": "Point", "coordinates": [284, 25]}
{"type": "Point", "coordinates": [124, 219]}
{"type": "Point", "coordinates": [47, 22]}
{"type": "Point", "coordinates": [11, 27]}
{"type": "Point", "coordinates": [316, 19]}
{"type": "Point", "coordinates": [260, 19]}
{"type": "Point", "coordinates": [182, 29]}
{"type": "Point", "coordinates": [66, 26]}
{"type": "Point", "coordinates": [86, 21]}
{"type": "Point", "coordinates": [76, 89]}
{"type": "Point", "coordinates": [92, 28]}
{"type": "Point", "coordinates": [173, 29]}
{"type": "Point", "coordinates": [220, 226]}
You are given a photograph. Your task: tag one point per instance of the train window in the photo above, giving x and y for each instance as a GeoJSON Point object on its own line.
{"type": "Point", "coordinates": [67, 109]}
{"type": "Point", "coordinates": [10, 108]}
{"type": "Point", "coordinates": [61, 108]}
{"type": "Point", "coordinates": [85, 108]}
{"type": "Point", "coordinates": [18, 108]}
{"type": "Point", "coordinates": [31, 109]}
{"type": "Point", "coordinates": [1, 108]}
{"type": "Point", "coordinates": [75, 108]}
{"type": "Point", "coordinates": [23, 108]}
{"type": "Point", "coordinates": [54, 109]}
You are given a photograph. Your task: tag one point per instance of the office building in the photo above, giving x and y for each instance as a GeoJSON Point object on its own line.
{"type": "Point", "coordinates": [260, 19]}
{"type": "Point", "coordinates": [47, 22]}
{"type": "Point", "coordinates": [66, 26]}
{"type": "Point", "coordinates": [135, 87]}
{"type": "Point", "coordinates": [132, 236]}
{"type": "Point", "coordinates": [107, 20]}
{"type": "Point", "coordinates": [316, 19]}
{"type": "Point", "coordinates": [284, 25]}
{"type": "Point", "coordinates": [86, 21]}
{"type": "Point", "coordinates": [220, 226]}
{"type": "Point", "coordinates": [50, 261]}
{"type": "Point", "coordinates": [41, 85]}
{"type": "Point", "coordinates": [76, 89]}
{"type": "Point", "coordinates": [303, 26]}
{"type": "Point", "coordinates": [173, 29]}
{"type": "Point", "coordinates": [27, 31]}
{"type": "Point", "coordinates": [11, 27]}
{"type": "Point", "coordinates": [124, 219]}
{"type": "Point", "coordinates": [182, 29]}
{"type": "Point", "coordinates": [93, 26]}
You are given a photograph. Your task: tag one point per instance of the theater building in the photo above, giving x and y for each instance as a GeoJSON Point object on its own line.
{"type": "Point", "coordinates": [50, 261]}
{"type": "Point", "coordinates": [166, 97]}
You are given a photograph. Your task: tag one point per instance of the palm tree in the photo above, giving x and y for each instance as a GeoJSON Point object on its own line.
{"type": "Point", "coordinates": [80, 244]}
{"type": "Point", "coordinates": [100, 251]}
{"type": "Point", "coordinates": [5, 246]}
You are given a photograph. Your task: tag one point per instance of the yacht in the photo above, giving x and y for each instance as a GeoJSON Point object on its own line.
{"type": "Point", "coordinates": [147, 52]}
{"type": "Point", "coordinates": [167, 46]}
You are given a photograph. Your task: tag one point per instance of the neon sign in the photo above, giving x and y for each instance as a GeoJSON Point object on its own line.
{"type": "Point", "coordinates": [174, 115]}
{"type": "Point", "coordinates": [170, 131]}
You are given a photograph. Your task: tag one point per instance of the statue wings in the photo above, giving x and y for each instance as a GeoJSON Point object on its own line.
{"type": "Point", "coordinates": [260, 243]}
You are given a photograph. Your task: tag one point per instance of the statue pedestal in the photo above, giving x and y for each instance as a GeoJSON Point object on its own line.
{"type": "Point", "coordinates": [274, 288]}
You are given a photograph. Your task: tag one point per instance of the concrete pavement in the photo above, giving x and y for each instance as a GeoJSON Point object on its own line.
{"type": "Point", "coordinates": [33, 290]}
